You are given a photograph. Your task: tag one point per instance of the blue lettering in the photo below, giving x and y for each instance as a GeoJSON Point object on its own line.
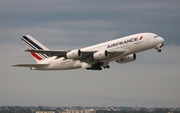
{"type": "Point", "coordinates": [122, 42]}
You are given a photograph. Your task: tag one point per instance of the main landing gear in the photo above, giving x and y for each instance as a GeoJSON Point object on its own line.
{"type": "Point", "coordinates": [107, 67]}
{"type": "Point", "coordinates": [98, 66]}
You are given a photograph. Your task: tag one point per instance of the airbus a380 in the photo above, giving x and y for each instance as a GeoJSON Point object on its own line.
{"type": "Point", "coordinates": [94, 57]}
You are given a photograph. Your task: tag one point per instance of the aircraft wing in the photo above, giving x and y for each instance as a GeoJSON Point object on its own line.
{"type": "Point", "coordinates": [115, 53]}
{"type": "Point", "coordinates": [30, 65]}
{"type": "Point", "coordinates": [86, 55]}
{"type": "Point", "coordinates": [58, 52]}
{"type": "Point", "coordinates": [50, 52]}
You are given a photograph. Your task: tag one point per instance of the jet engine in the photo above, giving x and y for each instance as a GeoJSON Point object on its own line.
{"type": "Point", "coordinates": [128, 58]}
{"type": "Point", "coordinates": [74, 54]}
{"type": "Point", "coordinates": [100, 55]}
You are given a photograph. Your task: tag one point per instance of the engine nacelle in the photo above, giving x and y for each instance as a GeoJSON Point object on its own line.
{"type": "Point", "coordinates": [100, 55]}
{"type": "Point", "coordinates": [74, 54]}
{"type": "Point", "coordinates": [128, 58]}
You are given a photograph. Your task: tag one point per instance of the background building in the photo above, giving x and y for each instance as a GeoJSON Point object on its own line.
{"type": "Point", "coordinates": [69, 111]}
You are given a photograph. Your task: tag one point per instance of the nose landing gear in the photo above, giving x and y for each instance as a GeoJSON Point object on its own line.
{"type": "Point", "coordinates": [158, 50]}
{"type": "Point", "coordinates": [159, 46]}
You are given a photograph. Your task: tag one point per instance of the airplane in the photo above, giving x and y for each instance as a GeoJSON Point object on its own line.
{"type": "Point", "coordinates": [96, 57]}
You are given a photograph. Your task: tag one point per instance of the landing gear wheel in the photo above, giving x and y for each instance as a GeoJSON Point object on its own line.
{"type": "Point", "coordinates": [158, 50]}
{"type": "Point", "coordinates": [107, 67]}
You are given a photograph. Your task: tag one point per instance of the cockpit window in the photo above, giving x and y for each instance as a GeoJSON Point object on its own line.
{"type": "Point", "coordinates": [156, 36]}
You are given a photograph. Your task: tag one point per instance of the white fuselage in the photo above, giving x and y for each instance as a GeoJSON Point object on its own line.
{"type": "Point", "coordinates": [130, 44]}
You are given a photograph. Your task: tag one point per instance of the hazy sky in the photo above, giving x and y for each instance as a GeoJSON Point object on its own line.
{"type": "Point", "coordinates": [153, 80]}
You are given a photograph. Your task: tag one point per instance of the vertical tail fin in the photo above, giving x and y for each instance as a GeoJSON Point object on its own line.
{"type": "Point", "coordinates": [32, 43]}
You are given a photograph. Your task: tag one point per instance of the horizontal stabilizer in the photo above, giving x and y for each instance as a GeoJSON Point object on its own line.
{"type": "Point", "coordinates": [31, 65]}
{"type": "Point", "coordinates": [46, 51]}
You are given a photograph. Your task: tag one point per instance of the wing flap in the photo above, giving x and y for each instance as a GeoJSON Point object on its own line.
{"type": "Point", "coordinates": [30, 65]}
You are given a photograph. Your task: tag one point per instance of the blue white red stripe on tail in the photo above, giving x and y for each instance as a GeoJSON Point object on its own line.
{"type": "Point", "coordinates": [33, 44]}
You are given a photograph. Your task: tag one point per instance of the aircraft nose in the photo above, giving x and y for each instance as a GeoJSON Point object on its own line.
{"type": "Point", "coordinates": [161, 39]}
